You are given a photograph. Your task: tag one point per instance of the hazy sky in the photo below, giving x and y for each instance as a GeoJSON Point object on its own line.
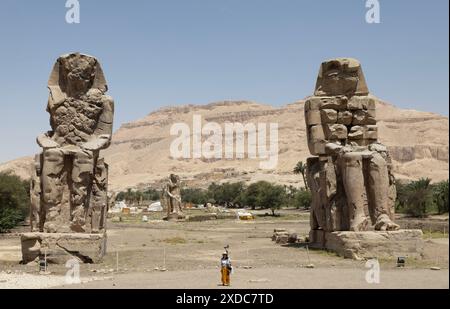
{"type": "Point", "coordinates": [173, 52]}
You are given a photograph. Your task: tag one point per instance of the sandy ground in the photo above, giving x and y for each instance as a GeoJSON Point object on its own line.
{"type": "Point", "coordinates": [278, 278]}
{"type": "Point", "coordinates": [190, 251]}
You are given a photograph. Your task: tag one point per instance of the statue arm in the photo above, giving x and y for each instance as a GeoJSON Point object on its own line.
{"type": "Point", "coordinates": [176, 197]}
{"type": "Point", "coordinates": [101, 138]}
{"type": "Point", "coordinates": [45, 141]}
{"type": "Point", "coordinates": [56, 98]}
{"type": "Point", "coordinates": [332, 148]}
{"type": "Point", "coordinates": [105, 122]}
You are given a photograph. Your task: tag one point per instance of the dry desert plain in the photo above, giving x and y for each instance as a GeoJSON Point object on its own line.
{"type": "Point", "coordinates": [159, 254]}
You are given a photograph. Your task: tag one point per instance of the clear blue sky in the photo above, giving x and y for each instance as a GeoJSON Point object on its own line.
{"type": "Point", "coordinates": [171, 52]}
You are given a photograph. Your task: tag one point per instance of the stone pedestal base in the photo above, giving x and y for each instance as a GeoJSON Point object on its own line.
{"type": "Point", "coordinates": [371, 244]}
{"type": "Point", "coordinates": [175, 216]}
{"type": "Point", "coordinates": [59, 248]}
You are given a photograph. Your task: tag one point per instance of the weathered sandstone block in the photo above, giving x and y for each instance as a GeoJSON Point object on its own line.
{"type": "Point", "coordinates": [58, 248]}
{"type": "Point", "coordinates": [371, 244]}
{"type": "Point", "coordinates": [345, 118]}
{"type": "Point", "coordinates": [328, 116]}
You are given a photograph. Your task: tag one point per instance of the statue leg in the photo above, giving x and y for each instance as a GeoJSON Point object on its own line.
{"type": "Point", "coordinates": [379, 193]}
{"type": "Point", "coordinates": [99, 199]}
{"type": "Point", "coordinates": [35, 195]}
{"type": "Point", "coordinates": [53, 181]}
{"type": "Point", "coordinates": [82, 181]}
{"type": "Point", "coordinates": [317, 215]}
{"type": "Point", "coordinates": [178, 208]}
{"type": "Point", "coordinates": [355, 191]}
{"type": "Point", "coordinates": [172, 205]}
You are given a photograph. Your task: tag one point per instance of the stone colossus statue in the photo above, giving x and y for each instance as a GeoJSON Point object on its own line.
{"type": "Point", "coordinates": [69, 185]}
{"type": "Point", "coordinates": [350, 176]}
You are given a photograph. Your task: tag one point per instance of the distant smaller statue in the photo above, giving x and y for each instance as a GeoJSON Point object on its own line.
{"type": "Point", "coordinates": [171, 198]}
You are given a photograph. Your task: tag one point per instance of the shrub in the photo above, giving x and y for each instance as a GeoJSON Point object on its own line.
{"type": "Point", "coordinates": [9, 218]}
{"type": "Point", "coordinates": [265, 195]}
{"type": "Point", "coordinates": [14, 201]}
{"type": "Point", "coordinates": [136, 196]}
{"type": "Point", "coordinates": [303, 199]}
{"type": "Point", "coordinates": [227, 194]}
{"type": "Point", "coordinates": [249, 197]}
{"type": "Point", "coordinates": [415, 198]}
{"type": "Point", "coordinates": [440, 196]}
{"type": "Point", "coordinates": [151, 195]}
{"type": "Point", "coordinates": [194, 196]}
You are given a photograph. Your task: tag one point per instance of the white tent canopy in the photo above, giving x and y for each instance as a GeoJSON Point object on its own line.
{"type": "Point", "coordinates": [155, 207]}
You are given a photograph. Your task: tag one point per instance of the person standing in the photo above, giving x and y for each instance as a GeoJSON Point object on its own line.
{"type": "Point", "coordinates": [225, 269]}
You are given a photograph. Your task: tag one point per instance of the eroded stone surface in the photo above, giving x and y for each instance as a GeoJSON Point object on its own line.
{"type": "Point", "coordinates": [70, 178]}
{"type": "Point", "coordinates": [372, 244]}
{"type": "Point", "coordinates": [353, 188]}
{"type": "Point", "coordinates": [69, 186]}
{"type": "Point", "coordinates": [58, 248]}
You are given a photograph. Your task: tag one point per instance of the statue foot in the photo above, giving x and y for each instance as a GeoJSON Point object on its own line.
{"type": "Point", "coordinates": [78, 225]}
{"type": "Point", "coordinates": [359, 224]}
{"type": "Point", "coordinates": [50, 227]}
{"type": "Point", "coordinates": [384, 223]}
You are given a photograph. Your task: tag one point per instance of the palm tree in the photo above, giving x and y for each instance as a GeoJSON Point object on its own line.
{"type": "Point", "coordinates": [419, 197]}
{"type": "Point", "coordinates": [441, 196]}
{"type": "Point", "coordinates": [300, 168]}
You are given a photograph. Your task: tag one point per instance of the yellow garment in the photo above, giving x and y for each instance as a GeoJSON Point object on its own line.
{"type": "Point", "coordinates": [225, 271]}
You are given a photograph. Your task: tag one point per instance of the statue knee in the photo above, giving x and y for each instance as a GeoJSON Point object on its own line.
{"type": "Point", "coordinates": [51, 178]}
{"type": "Point", "coordinates": [83, 167]}
{"type": "Point", "coordinates": [352, 159]}
{"type": "Point", "coordinates": [378, 162]}
{"type": "Point", "coordinates": [53, 161]}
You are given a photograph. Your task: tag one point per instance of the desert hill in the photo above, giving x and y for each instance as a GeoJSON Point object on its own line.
{"type": "Point", "coordinates": [140, 153]}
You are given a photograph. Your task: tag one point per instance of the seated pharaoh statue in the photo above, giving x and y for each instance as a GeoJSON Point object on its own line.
{"type": "Point", "coordinates": [171, 198]}
{"type": "Point", "coordinates": [69, 186]}
{"type": "Point", "coordinates": [353, 188]}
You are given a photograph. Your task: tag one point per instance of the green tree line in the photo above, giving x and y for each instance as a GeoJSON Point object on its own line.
{"type": "Point", "coordinates": [421, 198]}
{"type": "Point", "coordinates": [135, 197]}
{"type": "Point", "coordinates": [417, 198]}
{"type": "Point", "coordinates": [259, 195]}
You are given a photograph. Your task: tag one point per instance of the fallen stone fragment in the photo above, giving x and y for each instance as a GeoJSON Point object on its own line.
{"type": "Point", "coordinates": [435, 268]}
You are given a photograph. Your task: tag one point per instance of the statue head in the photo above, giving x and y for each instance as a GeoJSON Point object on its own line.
{"type": "Point", "coordinates": [74, 74]}
{"type": "Point", "coordinates": [341, 77]}
{"type": "Point", "coordinates": [174, 178]}
{"type": "Point", "coordinates": [78, 72]}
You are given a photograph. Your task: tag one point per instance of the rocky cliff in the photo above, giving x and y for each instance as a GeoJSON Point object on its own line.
{"type": "Point", "coordinates": [140, 153]}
